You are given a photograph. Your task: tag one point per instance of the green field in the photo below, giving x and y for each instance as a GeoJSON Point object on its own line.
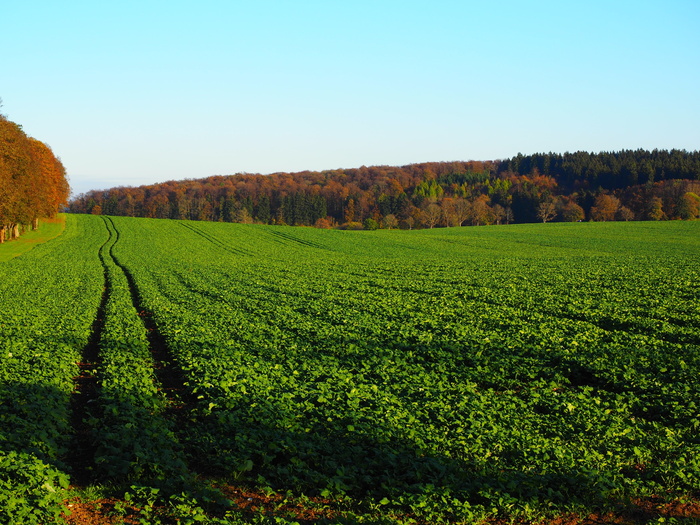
{"type": "Point", "coordinates": [48, 229]}
{"type": "Point", "coordinates": [446, 375]}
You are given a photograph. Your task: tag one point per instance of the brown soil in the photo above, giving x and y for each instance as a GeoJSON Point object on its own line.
{"type": "Point", "coordinates": [99, 512]}
{"type": "Point", "coordinates": [312, 510]}
{"type": "Point", "coordinates": [640, 511]}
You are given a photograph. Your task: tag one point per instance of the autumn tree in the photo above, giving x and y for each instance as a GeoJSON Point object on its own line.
{"type": "Point", "coordinates": [431, 215]}
{"type": "Point", "coordinates": [546, 210]}
{"type": "Point", "coordinates": [509, 216]}
{"type": "Point", "coordinates": [407, 223]}
{"type": "Point", "coordinates": [15, 169]}
{"type": "Point", "coordinates": [53, 189]}
{"type": "Point", "coordinates": [324, 223]}
{"type": "Point", "coordinates": [605, 207]}
{"type": "Point", "coordinates": [624, 214]}
{"type": "Point", "coordinates": [32, 181]}
{"type": "Point", "coordinates": [654, 209]}
{"type": "Point", "coordinates": [349, 214]}
{"type": "Point", "coordinates": [480, 212]}
{"type": "Point", "coordinates": [499, 213]}
{"type": "Point", "coordinates": [448, 213]}
{"type": "Point", "coordinates": [572, 212]}
{"type": "Point", "coordinates": [242, 216]}
{"type": "Point", "coordinates": [688, 207]}
{"type": "Point", "coordinates": [390, 222]}
{"type": "Point", "coordinates": [455, 211]}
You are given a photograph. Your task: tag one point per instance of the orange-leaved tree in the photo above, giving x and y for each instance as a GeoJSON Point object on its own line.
{"type": "Point", "coordinates": [32, 181]}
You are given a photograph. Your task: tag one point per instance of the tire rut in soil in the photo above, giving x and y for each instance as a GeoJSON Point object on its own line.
{"type": "Point", "coordinates": [167, 373]}
{"type": "Point", "coordinates": [80, 457]}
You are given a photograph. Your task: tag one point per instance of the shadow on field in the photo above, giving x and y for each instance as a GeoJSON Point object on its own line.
{"type": "Point", "coordinates": [243, 443]}
{"type": "Point", "coordinates": [35, 420]}
{"type": "Point", "coordinates": [235, 446]}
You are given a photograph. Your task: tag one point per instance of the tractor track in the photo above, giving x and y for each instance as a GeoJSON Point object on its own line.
{"type": "Point", "coordinates": [166, 372]}
{"type": "Point", "coordinates": [85, 392]}
{"type": "Point", "coordinates": [85, 399]}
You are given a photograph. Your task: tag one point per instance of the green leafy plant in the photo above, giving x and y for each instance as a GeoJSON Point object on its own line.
{"type": "Point", "coordinates": [31, 491]}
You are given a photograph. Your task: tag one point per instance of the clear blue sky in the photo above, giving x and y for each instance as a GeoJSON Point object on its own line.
{"type": "Point", "coordinates": [137, 92]}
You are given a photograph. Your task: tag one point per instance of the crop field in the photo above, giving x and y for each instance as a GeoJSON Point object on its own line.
{"type": "Point", "coordinates": [162, 371]}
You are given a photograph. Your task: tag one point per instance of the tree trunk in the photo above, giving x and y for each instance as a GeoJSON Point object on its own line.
{"type": "Point", "coordinates": [2, 234]}
{"type": "Point", "coordinates": [35, 224]}
{"type": "Point", "coordinates": [15, 231]}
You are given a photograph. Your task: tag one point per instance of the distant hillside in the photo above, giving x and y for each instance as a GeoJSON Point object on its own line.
{"type": "Point", "coordinates": [625, 185]}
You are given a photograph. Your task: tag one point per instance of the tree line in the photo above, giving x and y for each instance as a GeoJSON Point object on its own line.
{"type": "Point", "coordinates": [625, 185]}
{"type": "Point", "coordinates": [33, 181]}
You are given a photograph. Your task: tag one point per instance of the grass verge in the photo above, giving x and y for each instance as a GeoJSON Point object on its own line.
{"type": "Point", "coordinates": [48, 229]}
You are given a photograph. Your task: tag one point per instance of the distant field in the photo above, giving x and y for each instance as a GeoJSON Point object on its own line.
{"type": "Point", "coordinates": [445, 375]}
{"type": "Point", "coordinates": [48, 229]}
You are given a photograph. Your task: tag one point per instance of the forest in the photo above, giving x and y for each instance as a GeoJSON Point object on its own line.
{"type": "Point", "coordinates": [625, 185]}
{"type": "Point", "coordinates": [33, 182]}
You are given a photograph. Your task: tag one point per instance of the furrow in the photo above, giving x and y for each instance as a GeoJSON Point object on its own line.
{"type": "Point", "coordinates": [81, 455]}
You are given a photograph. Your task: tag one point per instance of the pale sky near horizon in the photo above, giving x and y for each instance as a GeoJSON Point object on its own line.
{"type": "Point", "coordinates": [138, 92]}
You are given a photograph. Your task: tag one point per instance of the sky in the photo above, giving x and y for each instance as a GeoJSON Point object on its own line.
{"type": "Point", "coordinates": [138, 92]}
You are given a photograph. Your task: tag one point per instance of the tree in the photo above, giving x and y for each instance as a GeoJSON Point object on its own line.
{"type": "Point", "coordinates": [32, 181]}
{"type": "Point", "coordinates": [242, 216]}
{"type": "Point", "coordinates": [449, 215]}
{"type": "Point", "coordinates": [262, 209]}
{"type": "Point", "coordinates": [624, 214]}
{"type": "Point", "coordinates": [688, 207]}
{"type": "Point", "coordinates": [546, 211]}
{"type": "Point", "coordinates": [572, 212]}
{"type": "Point", "coordinates": [654, 209]}
{"type": "Point", "coordinates": [370, 224]}
{"type": "Point", "coordinates": [349, 214]}
{"type": "Point", "coordinates": [461, 210]}
{"type": "Point", "coordinates": [53, 189]}
{"type": "Point", "coordinates": [323, 223]}
{"type": "Point", "coordinates": [480, 212]}
{"type": "Point", "coordinates": [605, 207]}
{"type": "Point", "coordinates": [499, 213]}
{"type": "Point", "coordinates": [508, 215]}
{"type": "Point", "coordinates": [15, 170]}
{"type": "Point", "coordinates": [390, 222]}
{"type": "Point", "coordinates": [408, 222]}
{"type": "Point", "coordinates": [431, 215]}
{"type": "Point", "coordinates": [455, 211]}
